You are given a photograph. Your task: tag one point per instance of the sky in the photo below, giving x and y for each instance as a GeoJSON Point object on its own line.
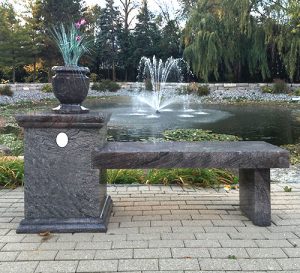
{"type": "Point", "coordinates": [152, 4]}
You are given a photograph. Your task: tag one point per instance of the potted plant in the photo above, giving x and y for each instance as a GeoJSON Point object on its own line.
{"type": "Point", "coordinates": [70, 83]}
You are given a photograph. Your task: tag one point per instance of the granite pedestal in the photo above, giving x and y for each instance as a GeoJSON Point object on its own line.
{"type": "Point", "coordinates": [253, 158]}
{"type": "Point", "coordinates": [63, 193]}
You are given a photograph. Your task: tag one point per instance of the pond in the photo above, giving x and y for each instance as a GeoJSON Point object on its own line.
{"type": "Point", "coordinates": [132, 121]}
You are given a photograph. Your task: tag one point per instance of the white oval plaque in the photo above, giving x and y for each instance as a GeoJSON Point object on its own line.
{"type": "Point", "coordinates": [62, 140]}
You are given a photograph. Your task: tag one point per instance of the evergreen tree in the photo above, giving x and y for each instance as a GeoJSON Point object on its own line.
{"type": "Point", "coordinates": [55, 12]}
{"type": "Point", "coordinates": [170, 43]}
{"type": "Point", "coordinates": [125, 41]}
{"type": "Point", "coordinates": [146, 35]}
{"type": "Point", "coordinates": [107, 39]}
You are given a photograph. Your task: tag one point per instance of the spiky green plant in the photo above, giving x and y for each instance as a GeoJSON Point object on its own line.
{"type": "Point", "coordinates": [71, 43]}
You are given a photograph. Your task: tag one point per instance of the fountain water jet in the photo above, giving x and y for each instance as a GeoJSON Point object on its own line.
{"type": "Point", "coordinates": [158, 72]}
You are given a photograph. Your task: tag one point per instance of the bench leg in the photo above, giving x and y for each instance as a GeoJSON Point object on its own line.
{"type": "Point", "coordinates": [255, 199]}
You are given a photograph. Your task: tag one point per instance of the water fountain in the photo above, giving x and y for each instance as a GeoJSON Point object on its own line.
{"type": "Point", "coordinates": [158, 73]}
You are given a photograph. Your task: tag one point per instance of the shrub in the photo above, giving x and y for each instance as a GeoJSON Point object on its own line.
{"type": "Point", "coordinates": [197, 135]}
{"type": "Point", "coordinates": [11, 172]}
{"type": "Point", "coordinates": [195, 88]}
{"type": "Point", "coordinates": [266, 89]}
{"type": "Point", "coordinates": [106, 85]}
{"type": "Point", "coordinates": [280, 86]}
{"type": "Point", "coordinates": [203, 90]}
{"type": "Point", "coordinates": [94, 77]}
{"type": "Point", "coordinates": [47, 88]}
{"type": "Point", "coordinates": [294, 150]}
{"type": "Point", "coordinates": [14, 142]}
{"type": "Point", "coordinates": [297, 92]}
{"type": "Point", "coordinates": [6, 91]}
{"type": "Point", "coordinates": [192, 88]}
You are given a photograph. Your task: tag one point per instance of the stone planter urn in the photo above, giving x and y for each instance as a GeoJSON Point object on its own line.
{"type": "Point", "coordinates": [70, 87]}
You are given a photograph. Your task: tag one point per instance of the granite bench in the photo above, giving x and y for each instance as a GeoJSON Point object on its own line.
{"type": "Point", "coordinates": [253, 159]}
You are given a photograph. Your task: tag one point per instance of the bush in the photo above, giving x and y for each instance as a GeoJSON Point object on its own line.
{"type": "Point", "coordinates": [14, 142]}
{"type": "Point", "coordinates": [266, 89]}
{"type": "Point", "coordinates": [106, 85]}
{"type": "Point", "coordinates": [11, 172]}
{"type": "Point", "coordinates": [197, 135]}
{"type": "Point", "coordinates": [6, 91]}
{"type": "Point", "coordinates": [294, 150]}
{"type": "Point", "coordinates": [203, 90]}
{"type": "Point", "coordinates": [47, 88]}
{"type": "Point", "coordinates": [297, 92]}
{"type": "Point", "coordinates": [280, 86]}
{"type": "Point", "coordinates": [195, 88]}
{"type": "Point", "coordinates": [192, 88]}
{"type": "Point", "coordinates": [94, 77]}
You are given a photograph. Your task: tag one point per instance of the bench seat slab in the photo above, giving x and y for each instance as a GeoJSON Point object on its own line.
{"type": "Point", "coordinates": [206, 154]}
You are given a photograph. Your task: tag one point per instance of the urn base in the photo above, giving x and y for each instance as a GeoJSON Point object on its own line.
{"type": "Point", "coordinates": [70, 109]}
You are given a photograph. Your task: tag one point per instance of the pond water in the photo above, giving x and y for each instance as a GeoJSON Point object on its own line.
{"type": "Point", "coordinates": [133, 121]}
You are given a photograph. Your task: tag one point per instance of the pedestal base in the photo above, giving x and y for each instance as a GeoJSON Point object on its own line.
{"type": "Point", "coordinates": [62, 192]}
{"type": "Point", "coordinates": [69, 225]}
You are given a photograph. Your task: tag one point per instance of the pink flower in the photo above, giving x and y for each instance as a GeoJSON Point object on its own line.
{"type": "Point", "coordinates": [82, 22]}
{"type": "Point", "coordinates": [78, 38]}
{"type": "Point", "coordinates": [78, 25]}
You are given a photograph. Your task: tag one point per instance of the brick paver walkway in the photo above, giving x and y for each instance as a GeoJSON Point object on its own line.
{"type": "Point", "coordinates": [157, 228]}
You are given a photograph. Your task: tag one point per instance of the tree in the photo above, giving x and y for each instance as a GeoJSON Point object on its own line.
{"type": "Point", "coordinates": [50, 13]}
{"type": "Point", "coordinates": [168, 20]}
{"type": "Point", "coordinates": [125, 41]}
{"type": "Point", "coordinates": [222, 36]}
{"type": "Point", "coordinates": [146, 36]}
{"type": "Point", "coordinates": [107, 38]}
{"type": "Point", "coordinates": [236, 39]}
{"type": "Point", "coordinates": [14, 42]}
{"type": "Point", "coordinates": [34, 30]}
{"type": "Point", "coordinates": [55, 12]}
{"type": "Point", "coordinates": [127, 7]}
{"type": "Point", "coordinates": [186, 7]}
{"type": "Point", "coordinates": [170, 43]}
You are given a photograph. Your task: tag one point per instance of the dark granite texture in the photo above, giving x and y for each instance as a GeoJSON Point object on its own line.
{"type": "Point", "coordinates": [255, 201]}
{"type": "Point", "coordinates": [242, 154]}
{"type": "Point", "coordinates": [70, 86]}
{"type": "Point", "coordinates": [69, 225]}
{"type": "Point", "coordinates": [52, 120]}
{"type": "Point", "coordinates": [61, 188]}
{"type": "Point", "coordinates": [253, 159]}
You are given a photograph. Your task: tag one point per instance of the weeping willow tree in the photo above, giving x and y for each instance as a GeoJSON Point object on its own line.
{"type": "Point", "coordinates": [234, 38]}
